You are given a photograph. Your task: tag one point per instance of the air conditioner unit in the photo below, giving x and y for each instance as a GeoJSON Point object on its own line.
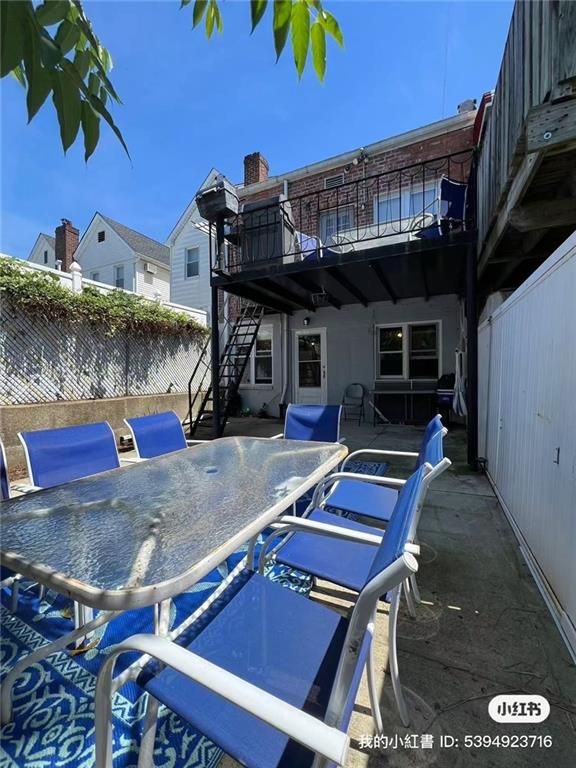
{"type": "Point", "coordinates": [151, 268]}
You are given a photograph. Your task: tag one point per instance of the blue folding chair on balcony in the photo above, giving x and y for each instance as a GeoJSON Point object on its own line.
{"type": "Point", "coordinates": [376, 497]}
{"type": "Point", "coordinates": [451, 209]}
{"type": "Point", "coordinates": [270, 676]}
{"type": "Point", "coordinates": [342, 551]}
{"type": "Point", "coordinates": [319, 423]}
{"type": "Point", "coordinates": [157, 434]}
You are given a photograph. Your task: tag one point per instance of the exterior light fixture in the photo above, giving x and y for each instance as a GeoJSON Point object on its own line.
{"type": "Point", "coordinates": [306, 321]}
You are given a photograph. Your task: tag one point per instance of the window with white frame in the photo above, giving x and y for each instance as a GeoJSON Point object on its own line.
{"type": "Point", "coordinates": [336, 220]}
{"type": "Point", "coordinates": [408, 351]}
{"type": "Point", "coordinates": [259, 367]}
{"type": "Point", "coordinates": [119, 276]}
{"type": "Point", "coordinates": [192, 262]}
{"type": "Point", "coordinates": [410, 203]}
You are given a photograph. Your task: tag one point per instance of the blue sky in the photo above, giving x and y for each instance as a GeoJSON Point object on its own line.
{"type": "Point", "coordinates": [190, 103]}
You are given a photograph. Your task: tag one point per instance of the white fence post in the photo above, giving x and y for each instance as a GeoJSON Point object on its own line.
{"type": "Point", "coordinates": [76, 272]}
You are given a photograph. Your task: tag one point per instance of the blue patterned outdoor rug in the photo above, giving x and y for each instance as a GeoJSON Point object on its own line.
{"type": "Point", "coordinates": [367, 467]}
{"type": "Point", "coordinates": [53, 723]}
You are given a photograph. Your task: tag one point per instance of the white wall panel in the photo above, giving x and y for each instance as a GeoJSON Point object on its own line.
{"type": "Point", "coordinates": [527, 426]}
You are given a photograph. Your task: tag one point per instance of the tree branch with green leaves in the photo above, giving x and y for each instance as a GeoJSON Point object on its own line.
{"type": "Point", "coordinates": [52, 49]}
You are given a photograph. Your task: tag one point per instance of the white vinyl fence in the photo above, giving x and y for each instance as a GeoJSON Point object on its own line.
{"type": "Point", "coordinates": [527, 424]}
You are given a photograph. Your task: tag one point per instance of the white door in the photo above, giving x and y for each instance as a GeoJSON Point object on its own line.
{"type": "Point", "coordinates": [310, 367]}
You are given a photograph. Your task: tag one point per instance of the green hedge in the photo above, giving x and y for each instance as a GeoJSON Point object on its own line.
{"type": "Point", "coordinates": [41, 295]}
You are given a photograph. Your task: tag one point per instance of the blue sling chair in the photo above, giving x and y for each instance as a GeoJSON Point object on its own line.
{"type": "Point", "coordinates": [157, 434]}
{"type": "Point", "coordinates": [57, 456]}
{"type": "Point", "coordinates": [312, 422]}
{"type": "Point", "coordinates": [270, 676]}
{"type": "Point", "coordinates": [346, 558]}
{"type": "Point", "coordinates": [375, 498]}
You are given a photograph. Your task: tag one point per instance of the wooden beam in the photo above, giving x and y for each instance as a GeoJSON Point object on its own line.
{"type": "Point", "coordinates": [312, 287]}
{"type": "Point", "coordinates": [377, 269]}
{"type": "Point", "coordinates": [518, 188]}
{"type": "Point", "coordinates": [544, 214]}
{"type": "Point", "coordinates": [342, 280]}
{"type": "Point", "coordinates": [550, 126]}
{"type": "Point", "coordinates": [285, 294]}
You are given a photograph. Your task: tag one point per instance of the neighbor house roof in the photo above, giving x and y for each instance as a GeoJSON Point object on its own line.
{"type": "Point", "coordinates": [145, 246]}
{"type": "Point", "coordinates": [50, 238]}
{"type": "Point", "coordinates": [192, 207]}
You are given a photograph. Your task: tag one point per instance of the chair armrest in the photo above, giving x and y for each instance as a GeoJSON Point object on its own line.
{"type": "Point", "coordinates": [312, 733]}
{"type": "Point", "coordinates": [292, 524]}
{"type": "Point", "coordinates": [132, 460]}
{"type": "Point", "coordinates": [25, 487]}
{"type": "Point", "coordinates": [190, 443]}
{"type": "Point", "coordinates": [276, 437]}
{"type": "Point", "coordinates": [334, 531]}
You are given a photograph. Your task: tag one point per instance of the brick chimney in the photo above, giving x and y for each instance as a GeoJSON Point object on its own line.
{"type": "Point", "coordinates": [255, 168]}
{"type": "Point", "coordinates": [67, 237]}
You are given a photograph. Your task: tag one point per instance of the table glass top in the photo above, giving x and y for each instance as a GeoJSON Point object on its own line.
{"type": "Point", "coordinates": [151, 522]}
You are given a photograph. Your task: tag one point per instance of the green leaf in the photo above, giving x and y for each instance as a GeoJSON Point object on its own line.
{"type": "Point", "coordinates": [82, 63]}
{"type": "Point", "coordinates": [198, 12]}
{"type": "Point", "coordinates": [39, 83]}
{"type": "Point", "coordinates": [184, 3]}
{"type": "Point", "coordinates": [257, 9]}
{"type": "Point", "coordinates": [50, 53]}
{"type": "Point", "coordinates": [94, 83]}
{"type": "Point", "coordinates": [67, 36]}
{"type": "Point", "coordinates": [300, 34]}
{"type": "Point", "coordinates": [18, 74]}
{"type": "Point", "coordinates": [11, 36]}
{"type": "Point", "coordinates": [99, 107]}
{"type": "Point", "coordinates": [217, 15]}
{"type": "Point", "coordinates": [52, 11]}
{"type": "Point", "coordinates": [318, 38]}
{"type": "Point", "coordinates": [209, 21]}
{"type": "Point", "coordinates": [331, 26]}
{"type": "Point", "coordinates": [66, 98]}
{"type": "Point", "coordinates": [281, 24]}
{"type": "Point", "coordinates": [95, 53]}
{"type": "Point", "coordinates": [90, 129]}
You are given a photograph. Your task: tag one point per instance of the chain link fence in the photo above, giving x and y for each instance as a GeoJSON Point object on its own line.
{"type": "Point", "coordinates": [44, 362]}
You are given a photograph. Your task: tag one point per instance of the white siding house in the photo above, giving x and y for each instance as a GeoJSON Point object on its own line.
{"type": "Point", "coordinates": [112, 253]}
{"type": "Point", "coordinates": [44, 251]}
{"type": "Point", "coordinates": [190, 257]}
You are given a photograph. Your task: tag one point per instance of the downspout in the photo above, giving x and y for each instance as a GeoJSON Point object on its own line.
{"type": "Point", "coordinates": [285, 336]}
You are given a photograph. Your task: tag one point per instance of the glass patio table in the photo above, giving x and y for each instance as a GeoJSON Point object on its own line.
{"type": "Point", "coordinates": [141, 534]}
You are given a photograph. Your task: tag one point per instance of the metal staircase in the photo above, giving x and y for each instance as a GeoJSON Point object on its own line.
{"type": "Point", "coordinates": [237, 340]}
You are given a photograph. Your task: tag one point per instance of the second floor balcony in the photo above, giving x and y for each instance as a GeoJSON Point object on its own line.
{"type": "Point", "coordinates": [402, 233]}
{"type": "Point", "coordinates": [421, 202]}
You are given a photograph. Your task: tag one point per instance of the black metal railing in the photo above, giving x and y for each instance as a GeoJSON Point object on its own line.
{"type": "Point", "coordinates": [380, 209]}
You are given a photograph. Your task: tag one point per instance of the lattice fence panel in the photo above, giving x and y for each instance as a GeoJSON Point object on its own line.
{"type": "Point", "coordinates": [43, 362]}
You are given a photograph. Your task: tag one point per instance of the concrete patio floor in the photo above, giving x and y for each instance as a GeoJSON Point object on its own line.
{"type": "Point", "coordinates": [482, 629]}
